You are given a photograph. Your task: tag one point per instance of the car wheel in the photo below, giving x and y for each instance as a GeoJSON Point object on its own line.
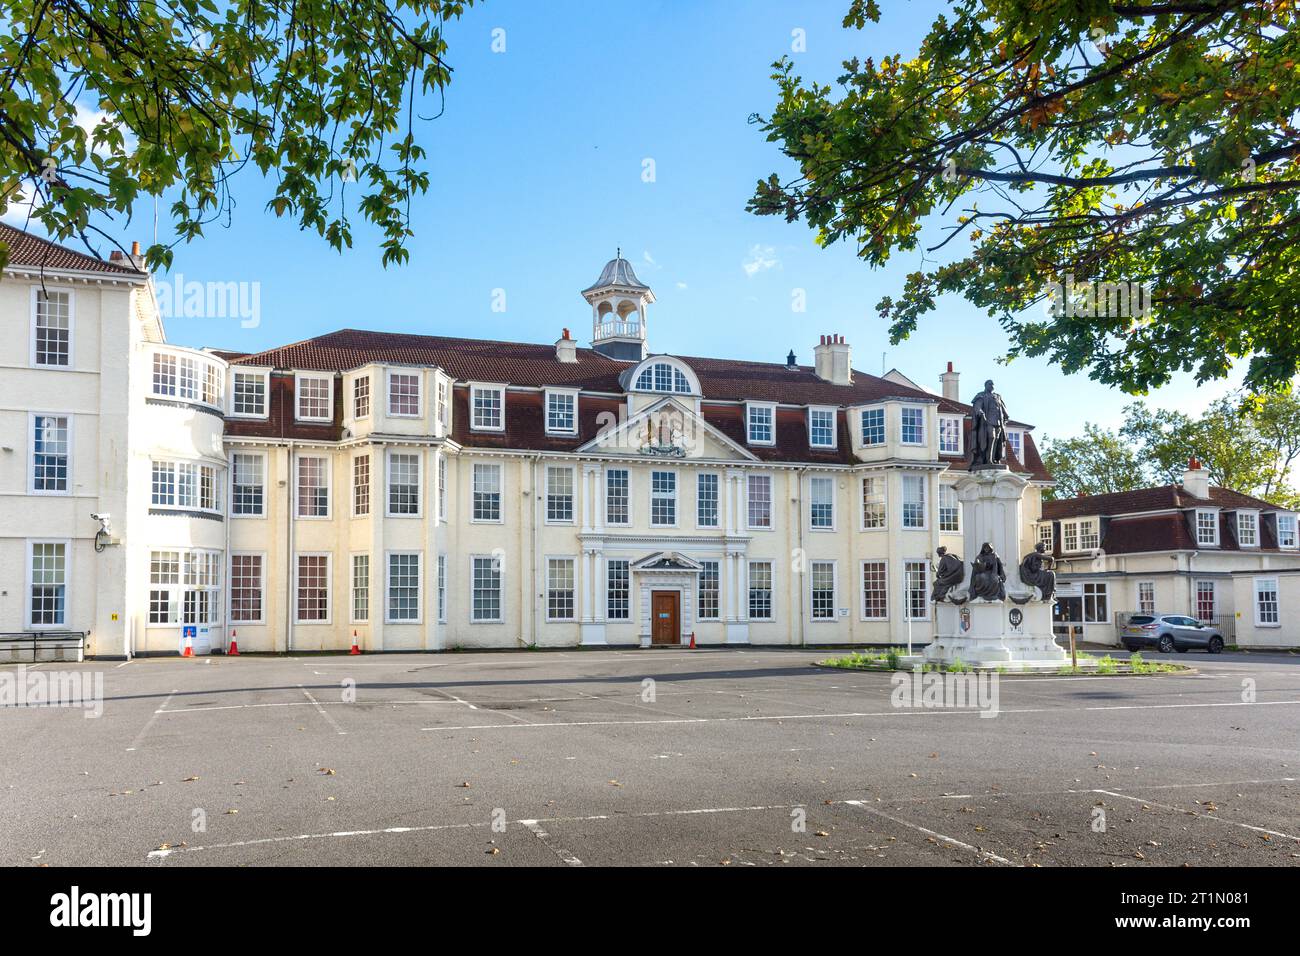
{"type": "Point", "coordinates": [1166, 643]}
{"type": "Point", "coordinates": [1216, 645]}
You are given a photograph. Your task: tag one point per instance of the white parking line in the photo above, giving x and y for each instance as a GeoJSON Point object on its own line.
{"type": "Point", "coordinates": [149, 723]}
{"type": "Point", "coordinates": [901, 712]}
{"type": "Point", "coordinates": [1199, 815]}
{"type": "Point", "coordinates": [321, 710]}
{"type": "Point", "coordinates": [985, 855]}
{"type": "Point", "coordinates": [537, 831]}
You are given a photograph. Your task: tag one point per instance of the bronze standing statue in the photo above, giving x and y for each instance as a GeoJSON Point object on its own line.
{"type": "Point", "coordinates": [988, 428]}
{"type": "Point", "coordinates": [988, 576]}
{"type": "Point", "coordinates": [1036, 571]}
{"type": "Point", "coordinates": [947, 575]}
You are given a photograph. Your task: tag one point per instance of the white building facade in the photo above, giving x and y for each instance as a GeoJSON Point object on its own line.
{"type": "Point", "coordinates": [1209, 553]}
{"type": "Point", "coordinates": [413, 492]}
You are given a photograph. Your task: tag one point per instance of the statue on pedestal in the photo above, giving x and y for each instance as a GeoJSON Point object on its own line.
{"type": "Point", "coordinates": [988, 428]}
{"type": "Point", "coordinates": [1036, 571]}
{"type": "Point", "coordinates": [947, 575]}
{"type": "Point", "coordinates": [988, 576]}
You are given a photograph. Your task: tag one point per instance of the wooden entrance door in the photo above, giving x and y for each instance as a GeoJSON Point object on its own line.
{"type": "Point", "coordinates": [665, 615]}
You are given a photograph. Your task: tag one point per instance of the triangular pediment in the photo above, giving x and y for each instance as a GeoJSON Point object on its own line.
{"type": "Point", "coordinates": [668, 429]}
{"type": "Point", "coordinates": [666, 561]}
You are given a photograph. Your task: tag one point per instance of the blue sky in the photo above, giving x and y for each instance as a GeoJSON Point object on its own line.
{"type": "Point", "coordinates": [536, 171]}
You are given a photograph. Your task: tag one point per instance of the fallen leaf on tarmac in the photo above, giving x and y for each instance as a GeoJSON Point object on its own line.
{"type": "Point", "coordinates": [229, 812]}
{"type": "Point", "coordinates": [911, 775]}
{"type": "Point", "coordinates": [494, 851]}
{"type": "Point", "coordinates": [615, 783]}
{"type": "Point", "coordinates": [327, 771]}
{"type": "Point", "coordinates": [821, 833]}
{"type": "Point", "coordinates": [1152, 843]}
{"type": "Point", "coordinates": [1265, 837]}
{"type": "Point", "coordinates": [1138, 855]}
{"type": "Point", "coordinates": [189, 779]}
{"type": "Point", "coordinates": [161, 846]}
{"type": "Point", "coordinates": [464, 784]}
{"type": "Point", "coordinates": [932, 756]}
{"type": "Point", "coordinates": [981, 829]}
{"type": "Point", "coordinates": [329, 799]}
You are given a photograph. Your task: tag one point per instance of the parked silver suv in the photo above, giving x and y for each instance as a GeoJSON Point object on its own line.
{"type": "Point", "coordinates": [1169, 632]}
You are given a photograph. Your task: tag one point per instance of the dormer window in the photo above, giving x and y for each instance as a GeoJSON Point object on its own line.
{"type": "Point", "coordinates": [1248, 529]}
{"type": "Point", "coordinates": [761, 424]}
{"type": "Point", "coordinates": [315, 397]}
{"type": "Point", "coordinates": [1082, 534]}
{"type": "Point", "coordinates": [1207, 528]}
{"type": "Point", "coordinates": [561, 412]}
{"type": "Point", "coordinates": [487, 408]}
{"type": "Point", "coordinates": [1286, 532]}
{"type": "Point", "coordinates": [821, 427]}
{"type": "Point", "coordinates": [662, 377]}
{"type": "Point", "coordinates": [1015, 441]}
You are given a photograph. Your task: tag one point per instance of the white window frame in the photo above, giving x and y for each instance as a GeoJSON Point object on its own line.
{"type": "Point", "coordinates": [924, 590]}
{"type": "Point", "coordinates": [1255, 535]}
{"type": "Point", "coordinates": [834, 486]}
{"type": "Point", "coordinates": [945, 488]}
{"type": "Point", "coordinates": [501, 589]}
{"type": "Point", "coordinates": [771, 502]}
{"type": "Point", "coordinates": [68, 577]}
{"type": "Point", "coordinates": [924, 483]}
{"type": "Point", "coordinates": [357, 487]}
{"type": "Point", "coordinates": [500, 492]}
{"type": "Point", "coordinates": [625, 592]}
{"type": "Point", "coordinates": [31, 454]}
{"type": "Point", "coordinates": [1274, 585]}
{"type": "Point", "coordinates": [1094, 590]}
{"type": "Point", "coordinates": [716, 590]}
{"type": "Point", "coordinates": [750, 408]}
{"type": "Point", "coordinates": [72, 326]}
{"type": "Point", "coordinates": [1213, 589]}
{"type": "Point", "coordinates": [414, 373]}
{"type": "Point", "coordinates": [1016, 443]}
{"type": "Point", "coordinates": [717, 498]}
{"type": "Point", "coordinates": [329, 588]}
{"type": "Point", "coordinates": [298, 379]}
{"type": "Point", "coordinates": [230, 481]}
{"type": "Point", "coordinates": [627, 497]}
{"type": "Point", "coordinates": [329, 488]}
{"type": "Point", "coordinates": [575, 592]}
{"type": "Point", "coordinates": [475, 388]}
{"type": "Point", "coordinates": [947, 424]}
{"type": "Point", "coordinates": [659, 496]}
{"type": "Point", "coordinates": [1047, 535]}
{"type": "Point", "coordinates": [388, 584]}
{"type": "Point", "coordinates": [771, 590]}
{"type": "Point", "coordinates": [368, 380]}
{"type": "Point", "coordinates": [862, 588]}
{"type": "Point", "coordinates": [264, 376]}
{"type": "Point", "coordinates": [1294, 533]}
{"type": "Point", "coordinates": [884, 426]}
{"type": "Point", "coordinates": [261, 585]}
{"type": "Point", "coordinates": [441, 490]}
{"type": "Point", "coordinates": [902, 425]}
{"type": "Point", "coordinates": [835, 591]}
{"type": "Point", "coordinates": [1214, 515]}
{"type": "Point", "coordinates": [573, 495]}
{"type": "Point", "coordinates": [441, 585]}
{"type": "Point", "coordinates": [418, 455]}
{"type": "Point", "coordinates": [353, 581]}
{"type": "Point", "coordinates": [568, 394]}
{"type": "Point", "coordinates": [1080, 528]}
{"type": "Point", "coordinates": [883, 482]}
{"type": "Point", "coordinates": [835, 426]}
{"type": "Point", "coordinates": [1149, 586]}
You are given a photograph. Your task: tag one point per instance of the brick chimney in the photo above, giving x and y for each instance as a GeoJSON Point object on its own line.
{"type": "Point", "coordinates": [566, 349]}
{"type": "Point", "coordinates": [1196, 479]}
{"type": "Point", "coordinates": [949, 383]}
{"type": "Point", "coordinates": [833, 360]}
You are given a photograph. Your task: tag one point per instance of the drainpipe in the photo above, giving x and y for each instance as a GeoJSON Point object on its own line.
{"type": "Point", "coordinates": [1191, 584]}
{"type": "Point", "coordinates": [289, 589]}
{"type": "Point", "coordinates": [532, 556]}
{"type": "Point", "coordinates": [803, 558]}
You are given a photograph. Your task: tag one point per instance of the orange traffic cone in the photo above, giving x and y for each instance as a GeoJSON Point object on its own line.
{"type": "Point", "coordinates": [233, 650]}
{"type": "Point", "coordinates": [692, 640]}
{"type": "Point", "coordinates": [355, 649]}
{"type": "Point", "coordinates": [188, 650]}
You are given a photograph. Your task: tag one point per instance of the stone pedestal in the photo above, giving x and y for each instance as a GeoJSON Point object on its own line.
{"type": "Point", "coordinates": [1016, 633]}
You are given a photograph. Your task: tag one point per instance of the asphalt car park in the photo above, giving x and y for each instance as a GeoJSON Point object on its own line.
{"type": "Point", "coordinates": [675, 757]}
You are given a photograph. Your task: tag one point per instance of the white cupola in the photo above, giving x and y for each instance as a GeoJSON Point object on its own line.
{"type": "Point", "coordinates": [618, 302]}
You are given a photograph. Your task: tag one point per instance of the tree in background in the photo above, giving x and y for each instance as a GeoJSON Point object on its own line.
{"type": "Point", "coordinates": [1097, 462]}
{"type": "Point", "coordinates": [103, 102]}
{"type": "Point", "coordinates": [1072, 154]}
{"type": "Point", "coordinates": [1248, 445]}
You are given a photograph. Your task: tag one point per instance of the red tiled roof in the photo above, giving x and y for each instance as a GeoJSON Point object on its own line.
{"type": "Point", "coordinates": [1161, 498]}
{"type": "Point", "coordinates": [536, 366]}
{"type": "Point", "coordinates": [32, 251]}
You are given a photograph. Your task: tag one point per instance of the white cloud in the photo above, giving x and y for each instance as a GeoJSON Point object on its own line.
{"type": "Point", "coordinates": [681, 285]}
{"type": "Point", "coordinates": [649, 260]}
{"type": "Point", "coordinates": [760, 259]}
